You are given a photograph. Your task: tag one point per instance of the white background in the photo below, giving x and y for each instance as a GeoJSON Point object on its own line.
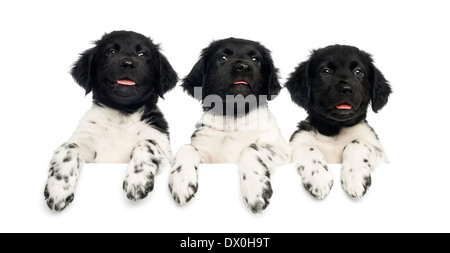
{"type": "Point", "coordinates": [41, 106]}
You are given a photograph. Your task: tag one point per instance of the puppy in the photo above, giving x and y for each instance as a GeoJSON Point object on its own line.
{"type": "Point", "coordinates": [335, 86]}
{"type": "Point", "coordinates": [234, 79]}
{"type": "Point", "coordinates": [126, 73]}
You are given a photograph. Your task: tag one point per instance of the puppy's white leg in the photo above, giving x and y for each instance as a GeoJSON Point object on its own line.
{"type": "Point", "coordinates": [313, 169]}
{"type": "Point", "coordinates": [183, 180]}
{"type": "Point", "coordinates": [145, 160]}
{"type": "Point", "coordinates": [255, 164]}
{"type": "Point", "coordinates": [63, 175]}
{"type": "Point", "coordinates": [358, 159]}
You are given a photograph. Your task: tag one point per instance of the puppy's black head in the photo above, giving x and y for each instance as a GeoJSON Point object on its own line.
{"type": "Point", "coordinates": [336, 86]}
{"type": "Point", "coordinates": [233, 67]}
{"type": "Point", "coordinates": [124, 70]}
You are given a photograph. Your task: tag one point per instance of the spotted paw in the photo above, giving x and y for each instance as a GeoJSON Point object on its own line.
{"type": "Point", "coordinates": [58, 194]}
{"type": "Point", "coordinates": [257, 191]}
{"type": "Point", "coordinates": [355, 182]}
{"type": "Point", "coordinates": [183, 183]}
{"type": "Point", "coordinates": [316, 179]}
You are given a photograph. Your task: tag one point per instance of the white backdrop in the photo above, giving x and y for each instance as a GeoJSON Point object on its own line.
{"type": "Point", "coordinates": [41, 105]}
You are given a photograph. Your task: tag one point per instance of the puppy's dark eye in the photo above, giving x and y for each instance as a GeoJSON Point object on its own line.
{"type": "Point", "coordinates": [358, 72]}
{"type": "Point", "coordinates": [111, 52]}
{"type": "Point", "coordinates": [255, 59]}
{"type": "Point", "coordinates": [222, 58]}
{"type": "Point", "coordinates": [325, 72]}
{"type": "Point", "coordinates": [142, 54]}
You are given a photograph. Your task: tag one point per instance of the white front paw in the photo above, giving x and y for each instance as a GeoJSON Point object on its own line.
{"type": "Point", "coordinates": [316, 178]}
{"type": "Point", "coordinates": [355, 181]}
{"type": "Point", "coordinates": [257, 190]}
{"type": "Point", "coordinates": [59, 192]}
{"type": "Point", "coordinates": [139, 181]}
{"type": "Point", "coordinates": [183, 183]}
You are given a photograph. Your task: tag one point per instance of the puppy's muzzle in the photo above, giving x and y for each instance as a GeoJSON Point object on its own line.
{"type": "Point", "coordinates": [345, 88]}
{"type": "Point", "coordinates": [127, 64]}
{"type": "Point", "coordinates": [241, 67]}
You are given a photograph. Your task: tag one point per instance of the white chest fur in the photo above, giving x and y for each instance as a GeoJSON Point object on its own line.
{"type": "Point", "coordinates": [222, 139]}
{"type": "Point", "coordinates": [332, 147]}
{"type": "Point", "coordinates": [108, 136]}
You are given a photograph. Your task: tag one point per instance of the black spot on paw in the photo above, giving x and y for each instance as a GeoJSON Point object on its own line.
{"type": "Point", "coordinates": [176, 198]}
{"type": "Point", "coordinates": [253, 146]}
{"type": "Point", "coordinates": [267, 191]}
{"type": "Point", "coordinates": [194, 187]}
{"type": "Point", "coordinates": [68, 158]}
{"type": "Point", "coordinates": [262, 163]}
{"type": "Point", "coordinates": [307, 186]}
{"type": "Point", "coordinates": [138, 169]}
{"type": "Point", "coordinates": [130, 196]}
{"type": "Point", "coordinates": [155, 161]}
{"type": "Point", "coordinates": [257, 207]}
{"type": "Point", "coordinates": [71, 145]}
{"type": "Point", "coordinates": [368, 180]}
{"type": "Point", "coordinates": [177, 170]}
{"type": "Point", "coordinates": [152, 142]}
{"type": "Point", "coordinates": [141, 193]}
{"type": "Point", "coordinates": [149, 186]}
{"type": "Point", "coordinates": [70, 199]}
{"type": "Point", "coordinates": [46, 193]}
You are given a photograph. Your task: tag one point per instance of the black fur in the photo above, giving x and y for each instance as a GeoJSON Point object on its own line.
{"type": "Point", "coordinates": [124, 55]}
{"type": "Point", "coordinates": [227, 61]}
{"type": "Point", "coordinates": [334, 76]}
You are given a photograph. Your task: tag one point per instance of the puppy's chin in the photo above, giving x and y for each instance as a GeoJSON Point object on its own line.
{"type": "Point", "coordinates": [113, 93]}
{"type": "Point", "coordinates": [342, 113]}
{"type": "Point", "coordinates": [240, 89]}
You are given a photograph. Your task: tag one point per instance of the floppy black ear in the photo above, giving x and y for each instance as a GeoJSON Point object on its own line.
{"type": "Point", "coordinates": [195, 78]}
{"type": "Point", "coordinates": [380, 88]}
{"type": "Point", "coordinates": [167, 76]}
{"type": "Point", "coordinates": [299, 85]}
{"type": "Point", "coordinates": [273, 85]}
{"type": "Point", "coordinates": [82, 69]}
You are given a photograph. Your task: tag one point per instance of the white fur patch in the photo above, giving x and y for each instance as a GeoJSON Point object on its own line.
{"type": "Point", "coordinates": [252, 141]}
{"type": "Point", "coordinates": [105, 135]}
{"type": "Point", "coordinates": [356, 147]}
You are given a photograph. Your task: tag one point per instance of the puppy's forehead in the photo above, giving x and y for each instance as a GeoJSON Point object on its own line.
{"type": "Point", "coordinates": [237, 47]}
{"type": "Point", "coordinates": [126, 38]}
{"type": "Point", "coordinates": [340, 55]}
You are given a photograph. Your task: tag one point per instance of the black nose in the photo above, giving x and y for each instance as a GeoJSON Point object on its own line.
{"type": "Point", "coordinates": [346, 89]}
{"type": "Point", "coordinates": [241, 67]}
{"type": "Point", "coordinates": [127, 64]}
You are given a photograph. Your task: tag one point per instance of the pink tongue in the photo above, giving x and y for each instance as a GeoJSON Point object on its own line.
{"type": "Point", "coordinates": [344, 107]}
{"type": "Point", "coordinates": [125, 82]}
{"type": "Point", "coordinates": [240, 82]}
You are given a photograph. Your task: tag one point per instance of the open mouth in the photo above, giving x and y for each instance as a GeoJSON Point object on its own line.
{"type": "Point", "coordinates": [240, 83]}
{"type": "Point", "coordinates": [126, 81]}
{"type": "Point", "coordinates": [344, 106]}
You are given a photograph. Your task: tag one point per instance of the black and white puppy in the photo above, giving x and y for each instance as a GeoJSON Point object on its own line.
{"type": "Point", "coordinates": [126, 73]}
{"type": "Point", "coordinates": [234, 79]}
{"type": "Point", "coordinates": [336, 85]}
